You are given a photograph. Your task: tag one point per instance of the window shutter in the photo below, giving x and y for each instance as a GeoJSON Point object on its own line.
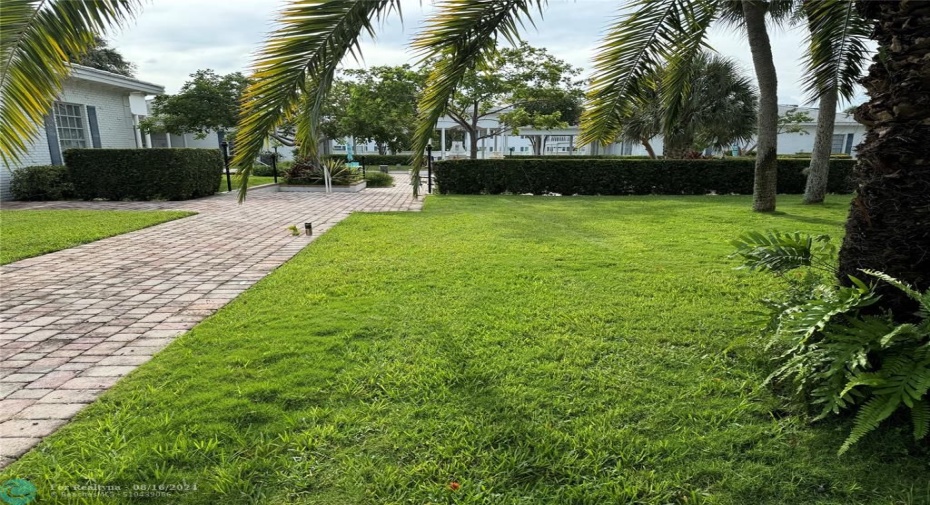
{"type": "Point", "coordinates": [94, 129]}
{"type": "Point", "coordinates": [849, 143]}
{"type": "Point", "coordinates": [51, 133]}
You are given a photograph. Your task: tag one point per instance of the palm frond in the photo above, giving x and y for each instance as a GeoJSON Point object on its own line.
{"type": "Point", "coordinates": [837, 51]}
{"type": "Point", "coordinates": [460, 36]}
{"type": "Point", "coordinates": [635, 48]}
{"type": "Point", "coordinates": [35, 39]}
{"type": "Point", "coordinates": [780, 252]}
{"type": "Point", "coordinates": [300, 57]}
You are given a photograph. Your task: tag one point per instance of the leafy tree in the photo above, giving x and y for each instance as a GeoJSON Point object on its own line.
{"type": "Point", "coordinates": [207, 102]}
{"type": "Point", "coordinates": [382, 105]}
{"type": "Point", "coordinates": [548, 109]}
{"type": "Point", "coordinates": [525, 85]}
{"type": "Point", "coordinates": [103, 57]}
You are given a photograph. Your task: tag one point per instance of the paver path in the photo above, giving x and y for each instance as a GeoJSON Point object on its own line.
{"type": "Point", "coordinates": [73, 322]}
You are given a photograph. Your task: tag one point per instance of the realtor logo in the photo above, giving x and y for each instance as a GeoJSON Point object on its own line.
{"type": "Point", "coordinates": [17, 492]}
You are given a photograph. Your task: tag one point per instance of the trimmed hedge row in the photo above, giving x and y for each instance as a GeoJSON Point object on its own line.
{"type": "Point", "coordinates": [376, 159]}
{"type": "Point", "coordinates": [41, 182]}
{"type": "Point", "coordinates": [144, 174]}
{"type": "Point", "coordinates": [625, 177]}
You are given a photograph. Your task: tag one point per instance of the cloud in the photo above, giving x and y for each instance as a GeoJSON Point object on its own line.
{"type": "Point", "coordinates": [173, 38]}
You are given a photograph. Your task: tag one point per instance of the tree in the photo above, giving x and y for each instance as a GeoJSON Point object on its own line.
{"type": "Point", "coordinates": [839, 48]}
{"type": "Point", "coordinates": [35, 42]}
{"type": "Point", "coordinates": [207, 102]}
{"type": "Point", "coordinates": [103, 57]}
{"type": "Point", "coordinates": [548, 109]}
{"type": "Point", "coordinates": [382, 105]}
{"type": "Point", "coordinates": [888, 228]}
{"type": "Point", "coordinates": [764, 186]}
{"type": "Point", "coordinates": [525, 85]}
{"type": "Point", "coordinates": [720, 110]}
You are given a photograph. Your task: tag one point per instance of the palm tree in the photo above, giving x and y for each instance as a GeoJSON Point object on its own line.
{"type": "Point", "coordinates": [36, 40]}
{"type": "Point", "coordinates": [888, 228]}
{"type": "Point", "coordinates": [837, 40]}
{"type": "Point", "coordinates": [720, 110]}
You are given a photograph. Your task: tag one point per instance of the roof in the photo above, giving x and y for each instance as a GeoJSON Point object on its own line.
{"type": "Point", "coordinates": [115, 80]}
{"type": "Point", "coordinates": [814, 112]}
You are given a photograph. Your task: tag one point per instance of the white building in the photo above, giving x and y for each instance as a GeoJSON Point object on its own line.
{"type": "Point", "coordinates": [846, 135]}
{"type": "Point", "coordinates": [95, 109]}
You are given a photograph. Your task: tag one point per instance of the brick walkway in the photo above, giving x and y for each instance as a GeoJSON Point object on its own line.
{"type": "Point", "coordinates": [73, 322]}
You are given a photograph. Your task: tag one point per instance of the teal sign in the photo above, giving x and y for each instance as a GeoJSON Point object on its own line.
{"type": "Point", "coordinates": [17, 492]}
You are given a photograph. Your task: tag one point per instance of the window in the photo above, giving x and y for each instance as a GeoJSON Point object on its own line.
{"type": "Point", "coordinates": [69, 119]}
{"type": "Point", "coordinates": [839, 142]}
{"type": "Point", "coordinates": [339, 148]}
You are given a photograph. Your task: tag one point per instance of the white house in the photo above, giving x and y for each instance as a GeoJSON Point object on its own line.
{"type": "Point", "coordinates": [95, 109]}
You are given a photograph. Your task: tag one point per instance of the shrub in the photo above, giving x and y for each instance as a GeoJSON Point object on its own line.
{"type": "Point", "coordinates": [266, 171]}
{"type": "Point", "coordinates": [844, 353]}
{"type": "Point", "coordinates": [379, 180]}
{"type": "Point", "coordinates": [376, 159]}
{"type": "Point", "coordinates": [144, 174]}
{"type": "Point", "coordinates": [42, 182]}
{"type": "Point", "coordinates": [577, 156]}
{"type": "Point", "coordinates": [312, 173]}
{"type": "Point", "coordinates": [624, 177]}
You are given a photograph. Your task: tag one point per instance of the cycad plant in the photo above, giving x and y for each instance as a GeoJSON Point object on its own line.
{"type": "Point", "coordinates": [845, 351]}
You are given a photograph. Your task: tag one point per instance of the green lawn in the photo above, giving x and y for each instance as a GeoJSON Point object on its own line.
{"type": "Point", "coordinates": [255, 180]}
{"type": "Point", "coordinates": [28, 233]}
{"type": "Point", "coordinates": [531, 350]}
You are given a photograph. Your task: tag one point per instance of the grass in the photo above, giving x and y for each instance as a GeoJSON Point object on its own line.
{"type": "Point", "coordinates": [255, 180]}
{"type": "Point", "coordinates": [28, 233]}
{"type": "Point", "coordinates": [531, 350]}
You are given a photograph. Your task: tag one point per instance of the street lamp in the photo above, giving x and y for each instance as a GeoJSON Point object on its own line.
{"type": "Point", "coordinates": [225, 146]}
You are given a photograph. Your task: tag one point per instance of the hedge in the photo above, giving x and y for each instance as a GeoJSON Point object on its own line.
{"type": "Point", "coordinates": [625, 177]}
{"type": "Point", "coordinates": [376, 159]}
{"type": "Point", "coordinates": [144, 174]}
{"type": "Point", "coordinates": [41, 182]}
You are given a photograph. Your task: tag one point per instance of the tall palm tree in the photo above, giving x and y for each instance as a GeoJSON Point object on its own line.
{"type": "Point", "coordinates": [888, 228]}
{"type": "Point", "coordinates": [36, 39]}
{"type": "Point", "coordinates": [837, 51]}
{"type": "Point", "coordinates": [674, 32]}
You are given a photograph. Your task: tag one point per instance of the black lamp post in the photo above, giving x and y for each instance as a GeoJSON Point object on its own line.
{"type": "Point", "coordinates": [308, 228]}
{"type": "Point", "coordinates": [429, 168]}
{"type": "Point", "coordinates": [274, 165]}
{"type": "Point", "coordinates": [225, 146]}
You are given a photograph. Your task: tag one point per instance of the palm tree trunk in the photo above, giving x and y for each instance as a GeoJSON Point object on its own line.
{"type": "Point", "coordinates": [888, 227]}
{"type": "Point", "coordinates": [819, 171]}
{"type": "Point", "coordinates": [764, 184]}
{"type": "Point", "coordinates": [649, 149]}
{"type": "Point", "coordinates": [677, 147]}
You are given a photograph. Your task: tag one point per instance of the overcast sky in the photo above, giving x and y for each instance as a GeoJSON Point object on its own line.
{"type": "Point", "coordinates": [171, 39]}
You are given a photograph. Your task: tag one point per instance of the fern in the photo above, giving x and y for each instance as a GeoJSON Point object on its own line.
{"type": "Point", "coordinates": [781, 252]}
{"type": "Point", "coordinates": [920, 416]}
{"type": "Point", "coordinates": [839, 359]}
